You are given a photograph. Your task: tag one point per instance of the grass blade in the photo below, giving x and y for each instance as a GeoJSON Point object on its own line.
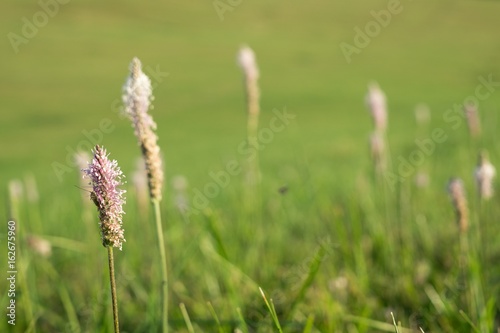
{"type": "Point", "coordinates": [313, 270]}
{"type": "Point", "coordinates": [272, 311]}
{"type": "Point", "coordinates": [187, 320]}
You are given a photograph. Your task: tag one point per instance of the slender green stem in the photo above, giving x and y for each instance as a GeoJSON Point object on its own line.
{"type": "Point", "coordinates": [163, 258]}
{"type": "Point", "coordinates": [272, 310]}
{"type": "Point", "coordinates": [253, 163]}
{"type": "Point", "coordinates": [187, 320]}
{"type": "Point", "coordinates": [114, 298]}
{"type": "Point", "coordinates": [253, 110]}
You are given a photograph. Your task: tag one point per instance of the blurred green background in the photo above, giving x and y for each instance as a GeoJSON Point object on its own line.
{"type": "Point", "coordinates": [68, 77]}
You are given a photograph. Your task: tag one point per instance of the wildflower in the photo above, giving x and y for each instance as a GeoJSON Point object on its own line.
{"type": "Point", "coordinates": [137, 96]}
{"type": "Point", "coordinates": [246, 60]}
{"type": "Point", "coordinates": [376, 103]}
{"type": "Point", "coordinates": [459, 201]}
{"type": "Point", "coordinates": [484, 174]}
{"type": "Point", "coordinates": [473, 121]}
{"type": "Point", "coordinates": [105, 178]}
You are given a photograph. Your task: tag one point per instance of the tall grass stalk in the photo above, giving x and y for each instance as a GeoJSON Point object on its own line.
{"type": "Point", "coordinates": [163, 260]}
{"type": "Point", "coordinates": [137, 96]}
{"type": "Point", "coordinates": [469, 258]}
{"type": "Point", "coordinates": [396, 326]}
{"type": "Point", "coordinates": [484, 175]}
{"type": "Point", "coordinates": [377, 106]}
{"type": "Point", "coordinates": [272, 310]}
{"type": "Point", "coordinates": [216, 318]}
{"type": "Point", "coordinates": [187, 320]}
{"type": "Point", "coordinates": [114, 297]}
{"type": "Point", "coordinates": [106, 177]}
{"type": "Point", "coordinates": [244, 326]}
{"type": "Point", "coordinates": [473, 120]}
{"type": "Point", "coordinates": [15, 192]}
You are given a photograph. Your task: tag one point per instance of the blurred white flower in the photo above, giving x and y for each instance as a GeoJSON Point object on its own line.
{"type": "Point", "coordinates": [484, 174]}
{"type": "Point", "coordinates": [376, 103]}
{"type": "Point", "coordinates": [246, 60]}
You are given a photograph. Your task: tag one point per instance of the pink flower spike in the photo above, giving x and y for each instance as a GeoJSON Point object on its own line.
{"type": "Point", "coordinates": [376, 103]}
{"type": "Point", "coordinates": [105, 178]}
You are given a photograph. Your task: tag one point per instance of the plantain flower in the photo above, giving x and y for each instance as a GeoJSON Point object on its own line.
{"type": "Point", "coordinates": [247, 62]}
{"type": "Point", "coordinates": [456, 191]}
{"type": "Point", "coordinates": [473, 121]}
{"type": "Point", "coordinates": [137, 96]}
{"type": "Point", "coordinates": [105, 178]}
{"type": "Point", "coordinates": [377, 105]}
{"type": "Point", "coordinates": [484, 174]}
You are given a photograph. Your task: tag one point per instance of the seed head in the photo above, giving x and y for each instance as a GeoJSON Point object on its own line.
{"type": "Point", "coordinates": [105, 178]}
{"type": "Point", "coordinates": [246, 60]}
{"type": "Point", "coordinates": [457, 194]}
{"type": "Point", "coordinates": [137, 96]}
{"type": "Point", "coordinates": [376, 103]}
{"type": "Point", "coordinates": [484, 174]}
{"type": "Point", "coordinates": [473, 121]}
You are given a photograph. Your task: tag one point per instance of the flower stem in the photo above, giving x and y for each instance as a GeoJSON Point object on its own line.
{"type": "Point", "coordinates": [113, 288]}
{"type": "Point", "coordinates": [163, 258]}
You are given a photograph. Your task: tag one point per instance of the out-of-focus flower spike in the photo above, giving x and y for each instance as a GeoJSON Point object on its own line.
{"type": "Point", "coordinates": [484, 174]}
{"type": "Point", "coordinates": [456, 191]}
{"type": "Point", "coordinates": [137, 96]}
{"type": "Point", "coordinates": [473, 122]}
{"type": "Point", "coordinates": [377, 105]}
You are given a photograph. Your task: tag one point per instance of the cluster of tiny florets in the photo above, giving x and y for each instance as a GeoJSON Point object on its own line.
{"type": "Point", "coordinates": [105, 178]}
{"type": "Point", "coordinates": [137, 96]}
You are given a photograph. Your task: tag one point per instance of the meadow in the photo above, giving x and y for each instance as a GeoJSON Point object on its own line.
{"type": "Point", "coordinates": [335, 245]}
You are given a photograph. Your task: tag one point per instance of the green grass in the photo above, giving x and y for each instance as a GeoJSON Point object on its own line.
{"type": "Point", "coordinates": [383, 250]}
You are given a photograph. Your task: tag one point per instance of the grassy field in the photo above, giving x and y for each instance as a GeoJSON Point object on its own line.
{"type": "Point", "coordinates": [338, 251]}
